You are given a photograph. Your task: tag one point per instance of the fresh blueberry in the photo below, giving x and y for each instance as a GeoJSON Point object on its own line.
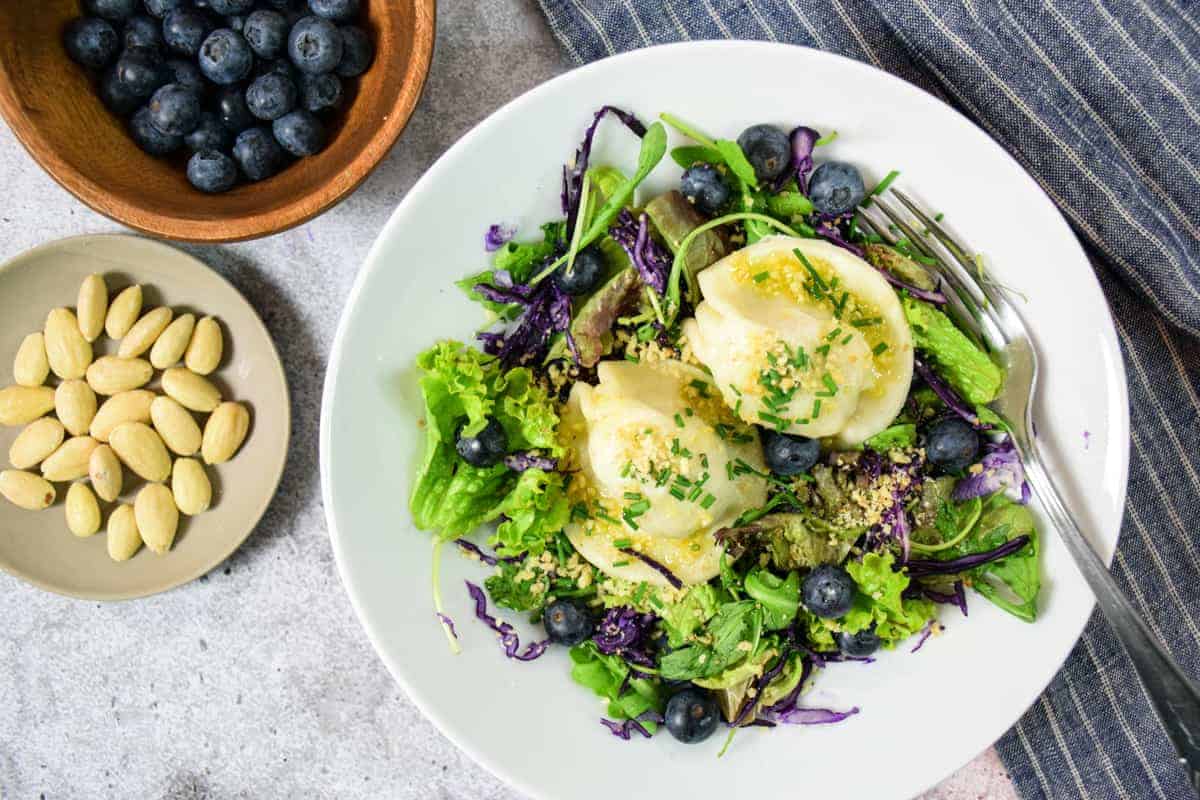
{"type": "Point", "coordinates": [281, 5]}
{"type": "Point", "coordinates": [271, 96]}
{"type": "Point", "coordinates": [267, 33]}
{"type": "Point", "coordinates": [212, 172]}
{"type": "Point", "coordinates": [92, 42]}
{"type": "Point", "coordinates": [836, 187]}
{"type": "Point", "coordinates": [828, 591]}
{"type": "Point", "coordinates": [232, 110]}
{"type": "Point", "coordinates": [209, 134]}
{"type": "Point", "coordinates": [258, 154]}
{"type": "Point", "coordinates": [692, 715]}
{"type": "Point", "coordinates": [318, 92]}
{"type": "Point", "coordinates": [704, 185]}
{"type": "Point", "coordinates": [116, 96]}
{"type": "Point", "coordinates": [567, 623]}
{"type": "Point", "coordinates": [141, 70]}
{"type": "Point", "coordinates": [160, 8]}
{"type": "Point", "coordinates": [237, 24]}
{"type": "Point", "coordinates": [186, 74]}
{"type": "Point", "coordinates": [584, 275]}
{"type": "Point", "coordinates": [858, 645]}
{"type": "Point", "coordinates": [300, 133]}
{"type": "Point", "coordinates": [951, 444]}
{"type": "Point", "coordinates": [315, 45]}
{"type": "Point", "coordinates": [767, 149]}
{"type": "Point", "coordinates": [113, 10]}
{"type": "Point", "coordinates": [336, 10]}
{"type": "Point", "coordinates": [484, 448]}
{"type": "Point", "coordinates": [357, 52]}
{"type": "Point", "coordinates": [788, 455]}
{"type": "Point", "coordinates": [225, 57]}
{"type": "Point", "coordinates": [144, 31]}
{"type": "Point", "coordinates": [229, 8]}
{"type": "Point", "coordinates": [185, 29]}
{"type": "Point", "coordinates": [150, 138]}
{"type": "Point", "coordinates": [175, 110]}
{"type": "Point", "coordinates": [278, 66]}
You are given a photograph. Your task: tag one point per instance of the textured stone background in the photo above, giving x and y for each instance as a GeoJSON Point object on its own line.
{"type": "Point", "coordinates": [256, 681]}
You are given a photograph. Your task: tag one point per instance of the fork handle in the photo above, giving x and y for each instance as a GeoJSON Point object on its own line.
{"type": "Point", "coordinates": [1174, 695]}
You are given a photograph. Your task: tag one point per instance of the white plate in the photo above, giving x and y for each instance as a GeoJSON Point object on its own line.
{"type": "Point", "coordinates": [923, 715]}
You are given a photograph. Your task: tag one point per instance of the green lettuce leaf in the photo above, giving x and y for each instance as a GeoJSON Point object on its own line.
{"type": "Point", "coordinates": [879, 602]}
{"type": "Point", "coordinates": [608, 677]}
{"type": "Point", "coordinates": [1013, 582]}
{"type": "Point", "coordinates": [780, 597]}
{"type": "Point", "coordinates": [535, 509]}
{"type": "Point", "coordinates": [690, 613]}
{"type": "Point", "coordinates": [520, 259]}
{"type": "Point", "coordinates": [733, 633]}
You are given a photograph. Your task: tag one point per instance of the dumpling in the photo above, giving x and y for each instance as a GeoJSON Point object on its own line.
{"type": "Point", "coordinates": [660, 464]}
{"type": "Point", "coordinates": [804, 337]}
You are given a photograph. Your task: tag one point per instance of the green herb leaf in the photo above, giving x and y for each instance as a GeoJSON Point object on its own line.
{"type": "Point", "coordinates": [780, 597]}
{"type": "Point", "coordinates": [735, 159]}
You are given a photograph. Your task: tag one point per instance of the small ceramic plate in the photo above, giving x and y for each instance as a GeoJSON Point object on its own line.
{"type": "Point", "coordinates": [37, 546]}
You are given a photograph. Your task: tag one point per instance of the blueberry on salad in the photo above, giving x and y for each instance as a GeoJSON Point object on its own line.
{"type": "Point", "coordinates": [706, 188]}
{"type": "Point", "coordinates": [836, 188]}
{"type": "Point", "coordinates": [767, 149]}
{"type": "Point", "coordinates": [788, 455]}
{"type": "Point", "coordinates": [486, 448]}
{"type": "Point", "coordinates": [567, 622]}
{"type": "Point", "coordinates": [828, 591]}
{"type": "Point", "coordinates": [858, 645]}
{"type": "Point", "coordinates": [584, 274]}
{"type": "Point", "coordinates": [951, 444]}
{"type": "Point", "coordinates": [92, 42]}
{"type": "Point", "coordinates": [692, 715]}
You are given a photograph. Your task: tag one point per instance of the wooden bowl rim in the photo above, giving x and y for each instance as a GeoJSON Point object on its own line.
{"type": "Point", "coordinates": [252, 226]}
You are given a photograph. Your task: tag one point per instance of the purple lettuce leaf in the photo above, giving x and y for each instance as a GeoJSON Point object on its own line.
{"type": "Point", "coordinates": [1000, 468]}
{"type": "Point", "coordinates": [496, 236]}
{"type": "Point", "coordinates": [651, 261]}
{"type": "Point", "coordinates": [661, 569]}
{"type": "Point", "coordinates": [572, 185]}
{"type": "Point", "coordinates": [508, 636]}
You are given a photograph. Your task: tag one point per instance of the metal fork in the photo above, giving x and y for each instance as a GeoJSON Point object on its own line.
{"type": "Point", "coordinates": [983, 309]}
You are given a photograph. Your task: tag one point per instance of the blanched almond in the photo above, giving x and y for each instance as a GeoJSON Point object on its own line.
{"type": "Point", "coordinates": [169, 347]}
{"type": "Point", "coordinates": [141, 449]}
{"type": "Point", "coordinates": [123, 537]}
{"type": "Point", "coordinates": [83, 512]}
{"type": "Point", "coordinates": [20, 405]}
{"type": "Point", "coordinates": [105, 472]}
{"type": "Point", "coordinates": [191, 487]}
{"type": "Point", "coordinates": [35, 444]}
{"type": "Point", "coordinates": [131, 406]}
{"type": "Point", "coordinates": [123, 312]}
{"type": "Point", "coordinates": [157, 517]}
{"type": "Point", "coordinates": [26, 490]}
{"type": "Point", "coordinates": [70, 461]}
{"type": "Point", "coordinates": [30, 366]}
{"type": "Point", "coordinates": [92, 306]}
{"type": "Point", "coordinates": [224, 432]}
{"type": "Point", "coordinates": [204, 351]}
{"type": "Point", "coordinates": [67, 351]}
{"type": "Point", "coordinates": [190, 390]}
{"type": "Point", "coordinates": [145, 332]}
{"type": "Point", "coordinates": [75, 405]}
{"type": "Point", "coordinates": [175, 425]}
{"type": "Point", "coordinates": [112, 375]}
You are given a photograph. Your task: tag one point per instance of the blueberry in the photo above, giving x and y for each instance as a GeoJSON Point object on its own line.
{"type": "Point", "coordinates": [836, 187]}
{"type": "Point", "coordinates": [484, 448]}
{"type": "Point", "coordinates": [692, 715]}
{"type": "Point", "coordinates": [258, 154]}
{"type": "Point", "coordinates": [150, 138]}
{"type": "Point", "coordinates": [185, 29]}
{"type": "Point", "coordinates": [828, 591]}
{"type": "Point", "coordinates": [704, 185]}
{"type": "Point", "coordinates": [267, 33]}
{"type": "Point", "coordinates": [232, 110]}
{"type": "Point", "coordinates": [567, 623]}
{"type": "Point", "coordinates": [141, 70]}
{"type": "Point", "coordinates": [116, 96]}
{"type": "Point", "coordinates": [357, 52]}
{"type": "Point", "coordinates": [236, 24]}
{"type": "Point", "coordinates": [789, 455]}
{"type": "Point", "coordinates": [229, 8]}
{"type": "Point", "coordinates": [860, 644]}
{"type": "Point", "coordinates": [212, 172]}
{"type": "Point", "coordinates": [300, 133]}
{"type": "Point", "coordinates": [92, 42]}
{"type": "Point", "coordinates": [951, 444]}
{"type": "Point", "coordinates": [318, 92]}
{"type": "Point", "coordinates": [113, 10]}
{"type": "Point", "coordinates": [225, 57]}
{"type": "Point", "coordinates": [584, 275]}
{"type": "Point", "coordinates": [144, 31]}
{"type": "Point", "coordinates": [336, 10]}
{"type": "Point", "coordinates": [315, 45]}
{"type": "Point", "coordinates": [278, 66]}
{"type": "Point", "coordinates": [210, 134]}
{"type": "Point", "coordinates": [271, 96]}
{"type": "Point", "coordinates": [186, 74]}
{"type": "Point", "coordinates": [160, 8]}
{"type": "Point", "coordinates": [175, 110]}
{"type": "Point", "coordinates": [767, 149]}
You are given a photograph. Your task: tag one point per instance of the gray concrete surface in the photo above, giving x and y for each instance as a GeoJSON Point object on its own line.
{"type": "Point", "coordinates": [256, 681]}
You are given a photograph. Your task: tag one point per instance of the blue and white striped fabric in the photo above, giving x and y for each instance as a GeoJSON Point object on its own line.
{"type": "Point", "coordinates": [1100, 101]}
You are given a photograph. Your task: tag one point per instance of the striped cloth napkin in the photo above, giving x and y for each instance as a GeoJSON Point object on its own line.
{"type": "Point", "coordinates": [1100, 101]}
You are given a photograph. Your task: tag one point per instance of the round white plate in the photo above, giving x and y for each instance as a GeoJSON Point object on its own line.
{"type": "Point", "coordinates": [924, 714]}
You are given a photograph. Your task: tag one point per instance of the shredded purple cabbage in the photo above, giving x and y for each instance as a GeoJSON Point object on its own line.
{"type": "Point", "coordinates": [449, 623]}
{"type": "Point", "coordinates": [1001, 469]}
{"type": "Point", "coordinates": [496, 236]}
{"type": "Point", "coordinates": [895, 523]}
{"type": "Point", "coordinates": [935, 297]}
{"type": "Point", "coordinates": [827, 228]}
{"type": "Point", "coordinates": [654, 565]}
{"type": "Point", "coordinates": [753, 696]}
{"type": "Point", "coordinates": [803, 141]}
{"type": "Point", "coordinates": [524, 460]}
{"type": "Point", "coordinates": [652, 262]}
{"type": "Point", "coordinates": [812, 716]}
{"type": "Point", "coordinates": [920, 567]}
{"type": "Point", "coordinates": [958, 598]}
{"type": "Point", "coordinates": [572, 184]}
{"type": "Point", "coordinates": [486, 558]}
{"type": "Point", "coordinates": [508, 636]}
{"type": "Point", "coordinates": [926, 632]}
{"type": "Point", "coordinates": [625, 728]}
{"type": "Point", "coordinates": [547, 311]}
{"type": "Point", "coordinates": [947, 395]}
{"type": "Point", "coordinates": [627, 633]}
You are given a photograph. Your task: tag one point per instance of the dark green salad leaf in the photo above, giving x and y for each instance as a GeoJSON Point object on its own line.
{"type": "Point", "coordinates": [1012, 582]}
{"type": "Point", "coordinates": [730, 636]}
{"type": "Point", "coordinates": [609, 677]}
{"type": "Point", "coordinates": [779, 597]}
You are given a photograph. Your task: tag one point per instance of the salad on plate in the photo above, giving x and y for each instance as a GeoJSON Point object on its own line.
{"type": "Point", "coordinates": [717, 439]}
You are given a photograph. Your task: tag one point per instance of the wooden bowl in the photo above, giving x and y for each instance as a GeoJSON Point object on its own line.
{"type": "Point", "coordinates": [52, 106]}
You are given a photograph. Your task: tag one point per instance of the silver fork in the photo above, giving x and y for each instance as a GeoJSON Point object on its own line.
{"type": "Point", "coordinates": [984, 310]}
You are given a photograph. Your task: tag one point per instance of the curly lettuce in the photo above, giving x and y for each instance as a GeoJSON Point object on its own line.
{"type": "Point", "coordinates": [879, 602]}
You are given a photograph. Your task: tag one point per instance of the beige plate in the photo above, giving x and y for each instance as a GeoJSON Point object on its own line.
{"type": "Point", "coordinates": [37, 546]}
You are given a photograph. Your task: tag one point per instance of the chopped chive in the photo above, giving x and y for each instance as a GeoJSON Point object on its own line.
{"type": "Point", "coordinates": [771, 418]}
{"type": "Point", "coordinates": [700, 386]}
{"type": "Point", "coordinates": [816, 411]}
{"type": "Point", "coordinates": [823, 349]}
{"type": "Point", "coordinates": [708, 501]}
{"type": "Point", "coordinates": [729, 470]}
{"type": "Point", "coordinates": [694, 494]}
{"type": "Point", "coordinates": [938, 217]}
{"type": "Point", "coordinates": [830, 383]}
{"type": "Point", "coordinates": [626, 468]}
{"type": "Point", "coordinates": [619, 543]}
{"type": "Point", "coordinates": [680, 480]}
{"type": "Point", "coordinates": [742, 438]}
{"type": "Point", "coordinates": [867, 322]}
{"type": "Point", "coordinates": [879, 348]}
{"type": "Point", "coordinates": [734, 389]}
{"type": "Point", "coordinates": [630, 357]}
{"type": "Point", "coordinates": [762, 276]}
{"type": "Point", "coordinates": [640, 592]}
{"type": "Point", "coordinates": [846, 341]}
{"type": "Point", "coordinates": [826, 139]}
{"type": "Point", "coordinates": [633, 495]}
{"type": "Point", "coordinates": [687, 412]}
{"type": "Point", "coordinates": [629, 520]}
{"type": "Point", "coordinates": [882, 186]}
{"type": "Point", "coordinates": [833, 334]}
{"type": "Point", "coordinates": [840, 305]}
{"type": "Point", "coordinates": [704, 460]}
{"type": "Point", "coordinates": [579, 512]}
{"type": "Point", "coordinates": [678, 421]}
{"type": "Point", "coordinates": [622, 563]}
{"type": "Point", "coordinates": [676, 492]}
